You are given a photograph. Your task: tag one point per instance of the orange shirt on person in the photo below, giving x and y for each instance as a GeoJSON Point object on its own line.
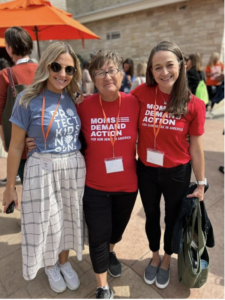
{"type": "Point", "coordinates": [216, 69]}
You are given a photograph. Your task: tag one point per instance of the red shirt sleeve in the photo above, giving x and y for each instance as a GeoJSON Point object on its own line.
{"type": "Point", "coordinates": [197, 108]}
{"type": "Point", "coordinates": [4, 83]}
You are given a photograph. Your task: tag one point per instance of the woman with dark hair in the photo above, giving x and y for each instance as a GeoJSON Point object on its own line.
{"type": "Point", "coordinates": [169, 112]}
{"type": "Point", "coordinates": [194, 72]}
{"type": "Point", "coordinates": [128, 78]}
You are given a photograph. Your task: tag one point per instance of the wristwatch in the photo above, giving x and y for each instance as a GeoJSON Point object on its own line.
{"type": "Point", "coordinates": [203, 182]}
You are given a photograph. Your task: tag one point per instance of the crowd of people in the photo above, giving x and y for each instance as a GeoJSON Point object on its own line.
{"type": "Point", "coordinates": [81, 177]}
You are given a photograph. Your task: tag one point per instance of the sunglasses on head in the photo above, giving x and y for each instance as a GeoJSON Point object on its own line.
{"type": "Point", "coordinates": [56, 67]}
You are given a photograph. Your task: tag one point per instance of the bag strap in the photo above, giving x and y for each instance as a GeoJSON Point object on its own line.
{"type": "Point", "coordinates": [201, 239]}
{"type": "Point", "coordinates": [11, 81]}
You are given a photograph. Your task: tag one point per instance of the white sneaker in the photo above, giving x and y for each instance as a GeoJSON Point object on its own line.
{"type": "Point", "coordinates": [70, 276]}
{"type": "Point", "coordinates": [55, 279]}
{"type": "Point", "coordinates": [17, 178]}
{"type": "Point", "coordinates": [208, 115]}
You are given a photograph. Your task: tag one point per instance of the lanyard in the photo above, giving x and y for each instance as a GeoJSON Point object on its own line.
{"type": "Point", "coordinates": [42, 117]}
{"type": "Point", "coordinates": [113, 140]}
{"type": "Point", "coordinates": [164, 115]}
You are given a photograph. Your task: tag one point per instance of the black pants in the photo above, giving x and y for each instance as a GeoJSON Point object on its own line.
{"type": "Point", "coordinates": [212, 91]}
{"type": "Point", "coordinates": [21, 169]}
{"type": "Point", "coordinates": [107, 215]}
{"type": "Point", "coordinates": [173, 184]}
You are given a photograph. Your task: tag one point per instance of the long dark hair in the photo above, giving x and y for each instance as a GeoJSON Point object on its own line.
{"type": "Point", "coordinates": [180, 95]}
{"type": "Point", "coordinates": [131, 70]}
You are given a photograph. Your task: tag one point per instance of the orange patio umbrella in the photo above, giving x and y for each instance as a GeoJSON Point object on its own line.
{"type": "Point", "coordinates": [42, 20]}
{"type": "Point", "coordinates": [2, 43]}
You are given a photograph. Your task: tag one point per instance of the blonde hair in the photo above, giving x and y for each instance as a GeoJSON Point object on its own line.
{"type": "Point", "coordinates": [214, 55]}
{"type": "Point", "coordinates": [42, 73]}
{"type": "Point", "coordinates": [141, 69]}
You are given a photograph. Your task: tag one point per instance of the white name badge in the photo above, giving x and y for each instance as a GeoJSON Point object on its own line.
{"type": "Point", "coordinates": [46, 164]}
{"type": "Point", "coordinates": [114, 165]}
{"type": "Point", "coordinates": [155, 157]}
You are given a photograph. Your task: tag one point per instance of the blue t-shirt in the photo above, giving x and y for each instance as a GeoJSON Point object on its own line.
{"type": "Point", "coordinates": [65, 129]}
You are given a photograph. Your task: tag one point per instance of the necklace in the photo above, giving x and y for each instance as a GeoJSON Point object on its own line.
{"type": "Point", "coordinates": [165, 102]}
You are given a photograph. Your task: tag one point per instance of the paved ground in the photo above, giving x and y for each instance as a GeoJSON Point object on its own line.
{"type": "Point", "coordinates": [133, 251]}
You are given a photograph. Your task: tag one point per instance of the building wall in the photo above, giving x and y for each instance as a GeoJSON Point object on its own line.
{"type": "Point", "coordinates": [80, 7]}
{"type": "Point", "coordinates": [59, 3]}
{"type": "Point", "coordinates": [196, 28]}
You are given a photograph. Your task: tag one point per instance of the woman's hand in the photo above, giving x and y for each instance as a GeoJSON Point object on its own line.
{"type": "Point", "coordinates": [198, 192]}
{"type": "Point", "coordinates": [30, 143]}
{"type": "Point", "coordinates": [9, 196]}
{"type": "Point", "coordinates": [80, 98]}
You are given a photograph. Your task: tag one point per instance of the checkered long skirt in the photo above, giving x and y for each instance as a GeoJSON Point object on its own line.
{"type": "Point", "coordinates": [52, 210]}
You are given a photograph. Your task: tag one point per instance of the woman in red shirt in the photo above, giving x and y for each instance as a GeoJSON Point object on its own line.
{"type": "Point", "coordinates": [168, 113]}
{"type": "Point", "coordinates": [109, 122]}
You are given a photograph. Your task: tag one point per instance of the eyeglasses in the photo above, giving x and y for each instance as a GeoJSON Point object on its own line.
{"type": "Point", "coordinates": [102, 74]}
{"type": "Point", "coordinates": [56, 67]}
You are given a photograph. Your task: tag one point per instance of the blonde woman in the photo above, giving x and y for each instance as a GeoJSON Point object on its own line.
{"type": "Point", "coordinates": [54, 177]}
{"type": "Point", "coordinates": [141, 72]}
{"type": "Point", "coordinates": [213, 72]}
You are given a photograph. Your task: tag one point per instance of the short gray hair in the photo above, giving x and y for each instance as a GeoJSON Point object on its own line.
{"type": "Point", "coordinates": [101, 57]}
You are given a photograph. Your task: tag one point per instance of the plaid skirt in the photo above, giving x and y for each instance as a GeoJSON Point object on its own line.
{"type": "Point", "coordinates": [52, 210]}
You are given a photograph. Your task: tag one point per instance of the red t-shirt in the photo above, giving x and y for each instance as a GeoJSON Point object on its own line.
{"type": "Point", "coordinates": [172, 135]}
{"type": "Point", "coordinates": [98, 144]}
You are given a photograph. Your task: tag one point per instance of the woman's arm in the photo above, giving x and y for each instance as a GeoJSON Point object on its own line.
{"type": "Point", "coordinates": [13, 161]}
{"type": "Point", "coordinates": [198, 164]}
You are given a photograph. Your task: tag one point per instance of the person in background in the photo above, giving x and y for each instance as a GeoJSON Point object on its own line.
{"type": "Point", "coordinates": [54, 177]}
{"type": "Point", "coordinates": [169, 112]}
{"type": "Point", "coordinates": [141, 73]}
{"type": "Point", "coordinates": [128, 78]}
{"type": "Point", "coordinates": [213, 72]}
{"type": "Point", "coordinates": [19, 46]}
{"type": "Point", "coordinates": [87, 83]}
{"type": "Point", "coordinates": [4, 63]}
{"type": "Point", "coordinates": [194, 72]}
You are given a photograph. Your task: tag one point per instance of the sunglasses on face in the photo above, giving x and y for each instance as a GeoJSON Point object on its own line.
{"type": "Point", "coordinates": [56, 67]}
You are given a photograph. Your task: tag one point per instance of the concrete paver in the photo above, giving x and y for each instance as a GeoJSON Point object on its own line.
{"type": "Point", "coordinates": [133, 250]}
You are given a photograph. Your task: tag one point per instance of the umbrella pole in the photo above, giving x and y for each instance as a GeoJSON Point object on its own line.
{"type": "Point", "coordinates": [38, 46]}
